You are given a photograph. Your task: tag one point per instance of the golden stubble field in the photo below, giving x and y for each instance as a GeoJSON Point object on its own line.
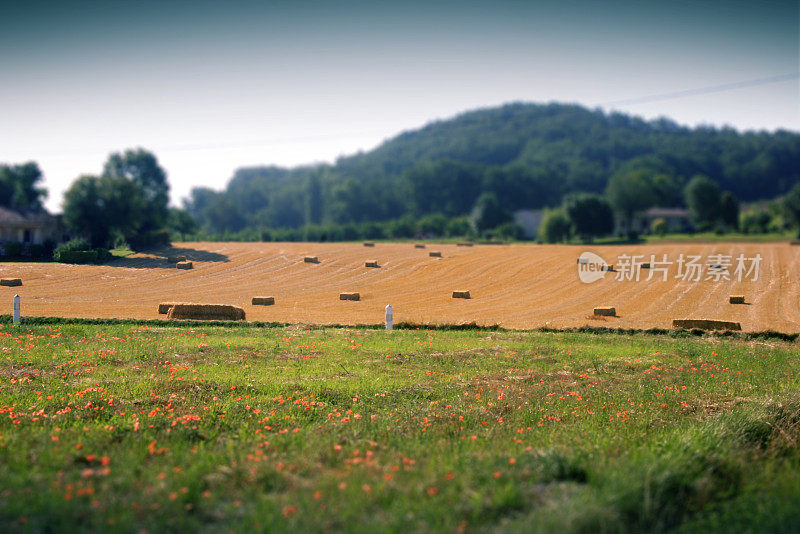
{"type": "Point", "coordinates": [515, 286]}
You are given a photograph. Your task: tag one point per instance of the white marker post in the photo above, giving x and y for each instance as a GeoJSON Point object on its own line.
{"type": "Point", "coordinates": [388, 317]}
{"type": "Point", "coordinates": [16, 309]}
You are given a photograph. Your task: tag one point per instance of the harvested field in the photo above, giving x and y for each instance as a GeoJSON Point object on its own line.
{"type": "Point", "coordinates": [520, 286]}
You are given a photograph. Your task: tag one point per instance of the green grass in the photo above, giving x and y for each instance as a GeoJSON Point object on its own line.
{"type": "Point", "coordinates": [211, 428]}
{"type": "Point", "coordinates": [121, 252]}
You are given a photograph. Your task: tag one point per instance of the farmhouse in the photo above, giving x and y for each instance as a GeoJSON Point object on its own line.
{"type": "Point", "coordinates": [32, 227]}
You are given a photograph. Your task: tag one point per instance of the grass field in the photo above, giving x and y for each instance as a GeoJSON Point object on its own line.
{"type": "Point", "coordinates": [129, 427]}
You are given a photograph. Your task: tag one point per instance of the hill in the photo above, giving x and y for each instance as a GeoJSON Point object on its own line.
{"type": "Point", "coordinates": [529, 155]}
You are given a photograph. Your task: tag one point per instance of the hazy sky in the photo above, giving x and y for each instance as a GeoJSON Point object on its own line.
{"type": "Point", "coordinates": [212, 86]}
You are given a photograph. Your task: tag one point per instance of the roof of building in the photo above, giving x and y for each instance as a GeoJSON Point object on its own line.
{"type": "Point", "coordinates": [667, 212]}
{"type": "Point", "coordinates": [10, 217]}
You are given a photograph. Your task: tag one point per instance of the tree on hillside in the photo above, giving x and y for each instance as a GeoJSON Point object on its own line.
{"type": "Point", "coordinates": [488, 213]}
{"type": "Point", "coordinates": [19, 186]}
{"type": "Point", "coordinates": [590, 215]}
{"type": "Point", "coordinates": [703, 200]}
{"type": "Point", "coordinates": [142, 168]}
{"type": "Point", "coordinates": [791, 206]}
{"type": "Point", "coordinates": [444, 186]}
{"type": "Point", "coordinates": [630, 193]}
{"type": "Point", "coordinates": [314, 199]}
{"type": "Point", "coordinates": [729, 210]}
{"type": "Point", "coordinates": [103, 208]}
{"type": "Point", "coordinates": [555, 227]}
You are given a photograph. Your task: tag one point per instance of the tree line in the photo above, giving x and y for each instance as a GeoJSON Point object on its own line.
{"type": "Point", "coordinates": [527, 156]}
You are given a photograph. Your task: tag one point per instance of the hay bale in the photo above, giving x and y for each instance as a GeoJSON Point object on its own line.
{"type": "Point", "coordinates": [606, 311]}
{"type": "Point", "coordinates": [464, 244]}
{"type": "Point", "coordinates": [311, 259]}
{"type": "Point", "coordinates": [435, 254]}
{"type": "Point", "coordinates": [419, 245]}
{"type": "Point", "coordinates": [369, 244]}
{"type": "Point", "coordinates": [794, 242]}
{"type": "Point", "coordinates": [10, 282]}
{"type": "Point", "coordinates": [349, 296]}
{"type": "Point", "coordinates": [736, 299]}
{"type": "Point", "coordinates": [645, 265]}
{"type": "Point", "coordinates": [184, 265]}
{"type": "Point", "coordinates": [165, 307]}
{"type": "Point", "coordinates": [461, 295]}
{"type": "Point", "coordinates": [206, 312]}
{"type": "Point", "coordinates": [371, 263]}
{"type": "Point", "coordinates": [176, 259]}
{"type": "Point", "coordinates": [705, 324]}
{"type": "Point", "coordinates": [263, 301]}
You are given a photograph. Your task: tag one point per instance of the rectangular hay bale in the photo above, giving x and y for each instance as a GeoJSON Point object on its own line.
{"type": "Point", "coordinates": [349, 296]}
{"type": "Point", "coordinates": [165, 307]}
{"type": "Point", "coordinates": [464, 244]}
{"type": "Point", "coordinates": [184, 265]}
{"type": "Point", "coordinates": [606, 311]}
{"type": "Point", "coordinates": [10, 282]}
{"type": "Point", "coordinates": [419, 245]}
{"type": "Point", "coordinates": [705, 324]}
{"type": "Point", "coordinates": [736, 299]}
{"type": "Point", "coordinates": [369, 244]}
{"type": "Point", "coordinates": [176, 259]}
{"type": "Point", "coordinates": [371, 263]}
{"type": "Point", "coordinates": [435, 254]}
{"type": "Point", "coordinates": [263, 301]}
{"type": "Point", "coordinates": [206, 312]}
{"type": "Point", "coordinates": [461, 295]}
{"type": "Point", "coordinates": [311, 259]}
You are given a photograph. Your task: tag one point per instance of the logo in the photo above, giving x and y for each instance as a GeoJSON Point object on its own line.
{"type": "Point", "coordinates": [591, 267]}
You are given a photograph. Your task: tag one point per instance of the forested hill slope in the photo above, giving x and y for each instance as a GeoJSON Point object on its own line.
{"type": "Point", "coordinates": [529, 155]}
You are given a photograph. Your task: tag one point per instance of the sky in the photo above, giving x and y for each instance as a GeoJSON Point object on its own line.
{"type": "Point", "coordinates": [209, 87]}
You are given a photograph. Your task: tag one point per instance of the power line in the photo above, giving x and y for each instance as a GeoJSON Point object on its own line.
{"type": "Point", "coordinates": [704, 90]}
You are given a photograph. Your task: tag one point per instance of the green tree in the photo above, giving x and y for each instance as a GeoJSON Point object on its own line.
{"type": "Point", "coordinates": [629, 193]}
{"type": "Point", "coordinates": [141, 167]}
{"type": "Point", "coordinates": [555, 226]}
{"type": "Point", "coordinates": [659, 227]}
{"type": "Point", "coordinates": [181, 222]}
{"type": "Point", "coordinates": [459, 227]}
{"type": "Point", "coordinates": [105, 207]}
{"type": "Point", "coordinates": [314, 199]}
{"type": "Point", "coordinates": [589, 214]}
{"type": "Point", "coordinates": [433, 224]}
{"type": "Point", "coordinates": [488, 213]}
{"type": "Point", "coordinates": [19, 186]}
{"type": "Point", "coordinates": [729, 210]}
{"type": "Point", "coordinates": [703, 199]}
{"type": "Point", "coordinates": [791, 206]}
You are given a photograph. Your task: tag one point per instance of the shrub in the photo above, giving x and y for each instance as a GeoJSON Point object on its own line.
{"type": "Point", "coordinates": [659, 227]}
{"type": "Point", "coordinates": [509, 231]}
{"type": "Point", "coordinates": [13, 249]}
{"type": "Point", "coordinates": [78, 251]}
